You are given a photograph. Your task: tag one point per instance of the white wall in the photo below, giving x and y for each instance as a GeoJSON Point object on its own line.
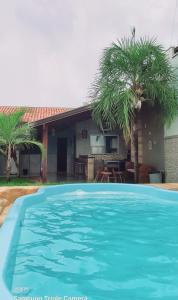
{"type": "Point", "coordinates": [83, 145]}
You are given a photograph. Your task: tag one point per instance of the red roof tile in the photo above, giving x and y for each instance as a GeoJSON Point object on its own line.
{"type": "Point", "coordinates": [33, 114]}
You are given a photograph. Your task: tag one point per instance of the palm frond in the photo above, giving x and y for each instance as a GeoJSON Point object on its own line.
{"type": "Point", "coordinates": [132, 73]}
{"type": "Point", "coordinates": [14, 132]}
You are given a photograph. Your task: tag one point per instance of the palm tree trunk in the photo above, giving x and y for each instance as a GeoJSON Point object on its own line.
{"type": "Point", "coordinates": [14, 156]}
{"type": "Point", "coordinates": [8, 163]}
{"type": "Point", "coordinates": [134, 139]}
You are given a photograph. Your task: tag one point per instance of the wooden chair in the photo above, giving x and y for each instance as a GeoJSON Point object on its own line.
{"type": "Point", "coordinates": [98, 175]}
{"type": "Point", "coordinates": [80, 168]}
{"type": "Point", "coordinates": [118, 176]}
{"type": "Point", "coordinates": [105, 175]}
{"type": "Point", "coordinates": [98, 168]}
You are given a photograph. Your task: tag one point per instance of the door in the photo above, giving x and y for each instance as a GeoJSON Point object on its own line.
{"type": "Point", "coordinates": [62, 156]}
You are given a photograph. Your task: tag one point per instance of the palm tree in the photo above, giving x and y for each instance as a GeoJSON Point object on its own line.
{"type": "Point", "coordinates": [15, 134]}
{"type": "Point", "coordinates": [133, 73]}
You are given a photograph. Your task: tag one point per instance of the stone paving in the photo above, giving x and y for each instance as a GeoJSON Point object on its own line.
{"type": "Point", "coordinates": [9, 194]}
{"type": "Point", "coordinates": [167, 186]}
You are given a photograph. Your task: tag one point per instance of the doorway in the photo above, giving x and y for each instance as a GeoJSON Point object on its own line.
{"type": "Point", "coordinates": [62, 156]}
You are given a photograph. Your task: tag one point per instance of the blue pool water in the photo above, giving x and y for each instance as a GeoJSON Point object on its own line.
{"type": "Point", "coordinates": [104, 245]}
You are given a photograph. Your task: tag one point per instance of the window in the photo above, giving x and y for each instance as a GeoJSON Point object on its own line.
{"type": "Point", "coordinates": [97, 143]}
{"type": "Point", "coordinates": [111, 144]}
{"type": "Point", "coordinates": [101, 144]}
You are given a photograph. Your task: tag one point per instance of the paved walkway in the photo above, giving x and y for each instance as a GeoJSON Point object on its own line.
{"type": "Point", "coordinates": [8, 194]}
{"type": "Point", "coordinates": [167, 186]}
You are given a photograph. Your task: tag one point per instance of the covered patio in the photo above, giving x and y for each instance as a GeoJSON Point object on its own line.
{"type": "Point", "coordinates": [75, 148]}
{"type": "Point", "coordinates": [78, 150]}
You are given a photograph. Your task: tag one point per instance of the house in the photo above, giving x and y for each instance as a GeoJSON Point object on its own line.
{"type": "Point", "coordinates": [73, 140]}
{"type": "Point", "coordinates": [75, 145]}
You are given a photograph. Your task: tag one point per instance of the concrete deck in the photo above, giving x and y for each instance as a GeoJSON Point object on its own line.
{"type": "Point", "coordinates": [8, 194]}
{"type": "Point", "coordinates": [167, 186]}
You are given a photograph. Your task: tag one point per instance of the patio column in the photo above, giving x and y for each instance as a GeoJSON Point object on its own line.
{"type": "Point", "coordinates": [44, 166]}
{"type": "Point", "coordinates": [90, 168]}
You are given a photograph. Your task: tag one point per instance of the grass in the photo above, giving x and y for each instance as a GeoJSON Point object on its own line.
{"type": "Point", "coordinates": [23, 182]}
{"type": "Point", "coordinates": [30, 182]}
{"type": "Point", "coordinates": [18, 182]}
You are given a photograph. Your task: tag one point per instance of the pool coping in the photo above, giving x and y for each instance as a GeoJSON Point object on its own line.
{"type": "Point", "coordinates": [6, 234]}
{"type": "Point", "coordinates": [11, 222]}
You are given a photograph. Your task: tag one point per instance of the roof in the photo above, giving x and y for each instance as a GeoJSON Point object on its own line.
{"type": "Point", "coordinates": [34, 114]}
{"type": "Point", "coordinates": [67, 115]}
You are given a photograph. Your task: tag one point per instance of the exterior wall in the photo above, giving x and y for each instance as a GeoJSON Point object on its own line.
{"type": "Point", "coordinates": [30, 162]}
{"type": "Point", "coordinates": [171, 139]}
{"type": "Point", "coordinates": [171, 152]}
{"type": "Point", "coordinates": [152, 141]}
{"type": "Point", "coordinates": [171, 158]}
{"type": "Point", "coordinates": [83, 145]}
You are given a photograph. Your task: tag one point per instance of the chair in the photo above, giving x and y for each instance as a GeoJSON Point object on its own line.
{"type": "Point", "coordinates": [98, 168]}
{"type": "Point", "coordinates": [105, 175]}
{"type": "Point", "coordinates": [98, 175]}
{"type": "Point", "coordinates": [80, 168]}
{"type": "Point", "coordinates": [118, 176]}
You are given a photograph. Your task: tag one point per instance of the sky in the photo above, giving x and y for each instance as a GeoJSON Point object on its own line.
{"type": "Point", "coordinates": [50, 49]}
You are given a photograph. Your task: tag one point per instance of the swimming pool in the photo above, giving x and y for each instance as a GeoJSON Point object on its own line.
{"type": "Point", "coordinates": [91, 242]}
